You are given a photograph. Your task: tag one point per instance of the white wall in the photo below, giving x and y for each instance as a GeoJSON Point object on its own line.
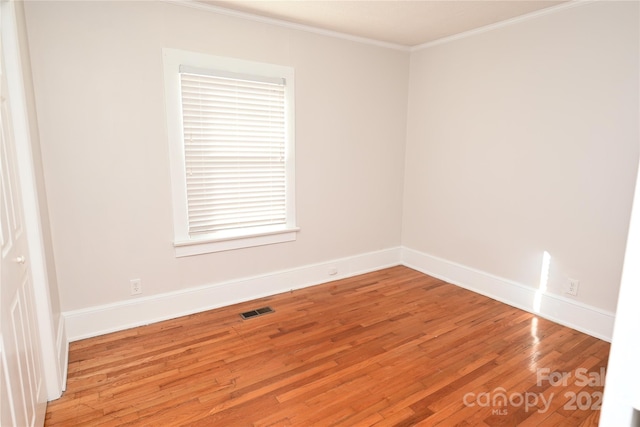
{"type": "Point", "coordinates": [524, 139]}
{"type": "Point", "coordinates": [97, 69]}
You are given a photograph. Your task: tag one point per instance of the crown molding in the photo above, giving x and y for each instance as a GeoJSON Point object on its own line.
{"type": "Point", "coordinates": [285, 24]}
{"type": "Point", "coordinates": [501, 24]}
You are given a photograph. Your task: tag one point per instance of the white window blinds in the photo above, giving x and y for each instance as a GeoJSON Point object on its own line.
{"type": "Point", "coordinates": [234, 146]}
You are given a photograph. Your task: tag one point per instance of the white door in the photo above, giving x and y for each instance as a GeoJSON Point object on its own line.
{"type": "Point", "coordinates": [22, 391]}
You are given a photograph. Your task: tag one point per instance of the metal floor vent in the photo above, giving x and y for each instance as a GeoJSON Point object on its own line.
{"type": "Point", "coordinates": [256, 312]}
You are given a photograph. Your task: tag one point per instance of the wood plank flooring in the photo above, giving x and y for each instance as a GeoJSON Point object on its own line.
{"type": "Point", "coordinates": [389, 348]}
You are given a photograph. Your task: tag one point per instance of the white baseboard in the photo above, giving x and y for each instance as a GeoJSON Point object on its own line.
{"type": "Point", "coordinates": [94, 321]}
{"type": "Point", "coordinates": [573, 314]}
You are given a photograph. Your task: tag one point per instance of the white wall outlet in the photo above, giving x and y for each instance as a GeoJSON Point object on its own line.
{"type": "Point", "coordinates": [572, 287]}
{"type": "Point", "coordinates": [136, 286]}
{"type": "Point", "coordinates": [333, 270]}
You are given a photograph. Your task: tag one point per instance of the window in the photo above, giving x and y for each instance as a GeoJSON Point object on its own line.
{"type": "Point", "coordinates": [230, 125]}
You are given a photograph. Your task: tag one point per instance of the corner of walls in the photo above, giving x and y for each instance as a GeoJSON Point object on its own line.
{"type": "Point", "coordinates": [573, 314]}
{"type": "Point", "coordinates": [94, 321]}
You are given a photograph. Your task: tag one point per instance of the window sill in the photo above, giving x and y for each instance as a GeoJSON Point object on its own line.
{"type": "Point", "coordinates": [229, 241]}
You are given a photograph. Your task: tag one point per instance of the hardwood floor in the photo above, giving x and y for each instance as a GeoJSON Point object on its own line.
{"type": "Point", "coordinates": [393, 347]}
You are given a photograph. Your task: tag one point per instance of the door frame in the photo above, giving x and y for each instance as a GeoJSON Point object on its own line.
{"type": "Point", "coordinates": [54, 345]}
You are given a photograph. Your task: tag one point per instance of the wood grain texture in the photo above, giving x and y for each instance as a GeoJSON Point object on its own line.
{"type": "Point", "coordinates": [389, 348]}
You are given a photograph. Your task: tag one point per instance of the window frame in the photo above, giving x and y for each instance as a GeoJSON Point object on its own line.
{"type": "Point", "coordinates": [184, 244]}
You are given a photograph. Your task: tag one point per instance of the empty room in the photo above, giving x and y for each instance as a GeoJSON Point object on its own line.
{"type": "Point", "coordinates": [314, 213]}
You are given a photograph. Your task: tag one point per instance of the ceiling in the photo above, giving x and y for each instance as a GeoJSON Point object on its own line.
{"type": "Point", "coordinates": [400, 22]}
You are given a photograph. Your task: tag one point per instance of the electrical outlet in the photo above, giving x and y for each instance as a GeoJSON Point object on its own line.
{"type": "Point", "coordinates": [136, 286]}
{"type": "Point", "coordinates": [572, 287]}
